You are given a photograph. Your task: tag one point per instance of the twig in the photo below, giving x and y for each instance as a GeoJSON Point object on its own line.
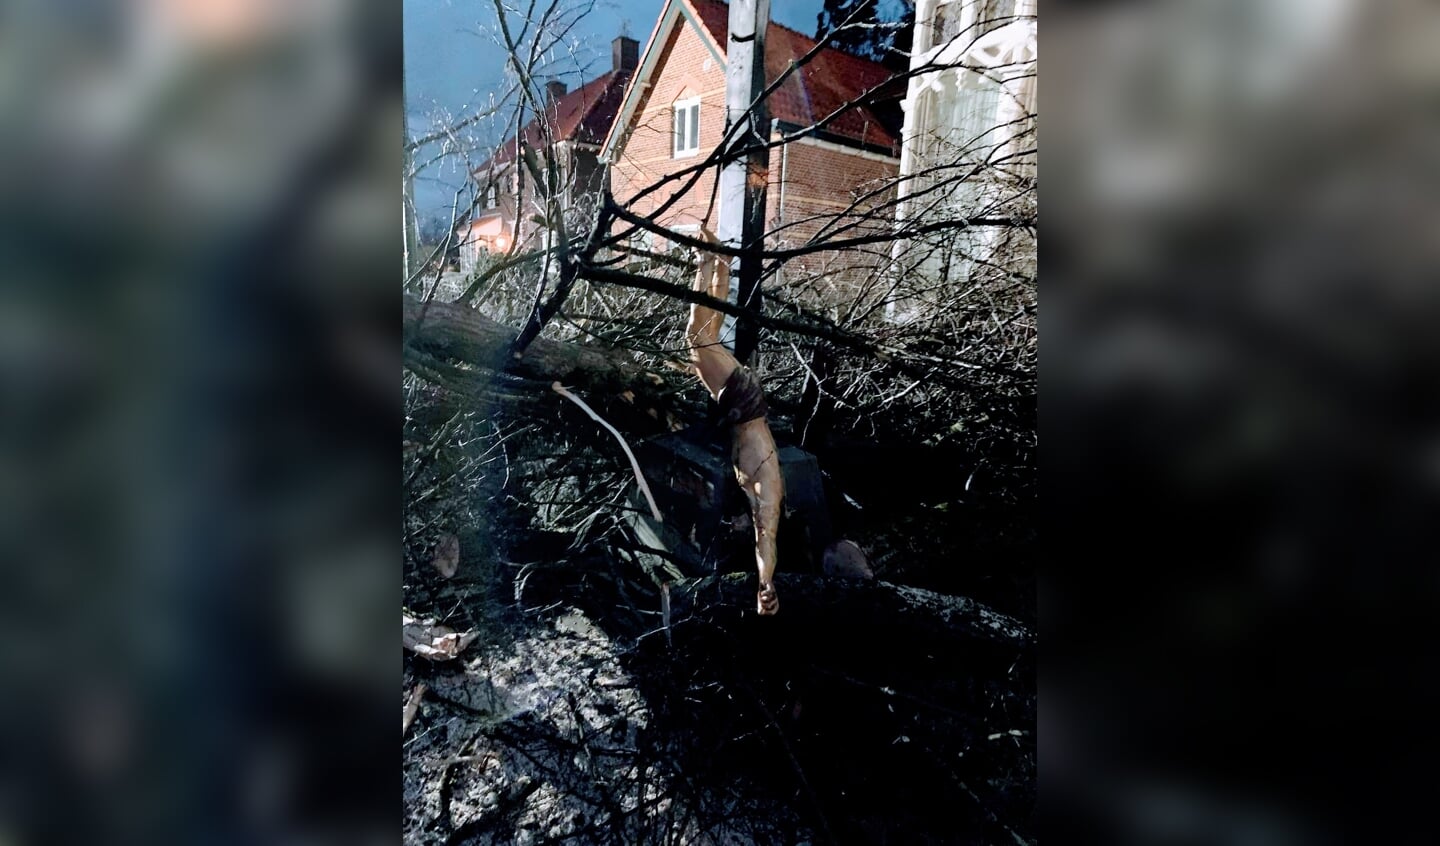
{"type": "Point", "coordinates": [665, 611]}
{"type": "Point", "coordinates": [412, 707]}
{"type": "Point", "coordinates": [634, 465]}
{"type": "Point", "coordinates": [794, 761]}
{"type": "Point", "coordinates": [989, 814]}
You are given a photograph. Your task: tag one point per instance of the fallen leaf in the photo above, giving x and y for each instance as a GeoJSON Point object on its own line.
{"type": "Point", "coordinates": [447, 556]}
{"type": "Point", "coordinates": [430, 640]}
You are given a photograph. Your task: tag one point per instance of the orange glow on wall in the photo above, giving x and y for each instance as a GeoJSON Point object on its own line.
{"type": "Point", "coordinates": [488, 233]}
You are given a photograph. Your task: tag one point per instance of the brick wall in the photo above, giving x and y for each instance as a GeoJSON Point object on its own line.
{"type": "Point", "coordinates": [840, 193]}
{"type": "Point", "coordinates": [821, 181]}
{"type": "Point", "coordinates": [685, 69]}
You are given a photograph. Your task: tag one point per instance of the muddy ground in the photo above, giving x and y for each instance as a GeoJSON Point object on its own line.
{"type": "Point", "coordinates": [584, 721]}
{"type": "Point", "coordinates": [576, 716]}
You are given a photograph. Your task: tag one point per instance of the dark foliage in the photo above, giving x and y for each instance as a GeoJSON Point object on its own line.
{"type": "Point", "coordinates": [866, 30]}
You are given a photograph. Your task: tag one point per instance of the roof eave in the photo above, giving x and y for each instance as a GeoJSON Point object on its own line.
{"type": "Point", "coordinates": [640, 80]}
{"type": "Point", "coordinates": [836, 138]}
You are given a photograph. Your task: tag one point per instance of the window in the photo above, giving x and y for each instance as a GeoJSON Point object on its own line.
{"type": "Point", "coordinates": [976, 115]}
{"type": "Point", "coordinates": [661, 244]}
{"type": "Point", "coordinates": [995, 14]}
{"type": "Point", "coordinates": [687, 127]}
{"type": "Point", "coordinates": [946, 23]}
{"type": "Point", "coordinates": [970, 18]}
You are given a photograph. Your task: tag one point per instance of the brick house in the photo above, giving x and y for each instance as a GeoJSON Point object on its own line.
{"type": "Point", "coordinates": [574, 124]}
{"type": "Point", "coordinates": [673, 115]}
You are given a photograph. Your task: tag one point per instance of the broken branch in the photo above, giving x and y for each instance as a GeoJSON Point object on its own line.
{"type": "Point", "coordinates": [634, 465]}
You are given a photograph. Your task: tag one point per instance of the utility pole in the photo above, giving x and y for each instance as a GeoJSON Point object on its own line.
{"type": "Point", "coordinates": [745, 172]}
{"type": "Point", "coordinates": [411, 234]}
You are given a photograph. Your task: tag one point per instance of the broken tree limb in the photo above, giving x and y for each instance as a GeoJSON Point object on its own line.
{"type": "Point", "coordinates": [463, 334]}
{"type": "Point", "coordinates": [809, 328]}
{"type": "Point", "coordinates": [412, 708]}
{"type": "Point", "coordinates": [886, 610]}
{"type": "Point", "coordinates": [741, 401]}
{"type": "Point", "coordinates": [825, 244]}
{"type": "Point", "coordinates": [634, 465]}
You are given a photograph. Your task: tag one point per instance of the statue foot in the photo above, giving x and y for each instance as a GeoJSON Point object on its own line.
{"type": "Point", "coordinates": [767, 602]}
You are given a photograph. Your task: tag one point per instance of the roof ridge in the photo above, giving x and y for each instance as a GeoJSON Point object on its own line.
{"type": "Point", "coordinates": [812, 39]}
{"type": "Point", "coordinates": [583, 107]}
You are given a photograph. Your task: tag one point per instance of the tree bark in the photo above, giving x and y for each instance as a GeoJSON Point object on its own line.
{"type": "Point", "coordinates": [462, 334]}
{"type": "Point", "coordinates": [843, 607]}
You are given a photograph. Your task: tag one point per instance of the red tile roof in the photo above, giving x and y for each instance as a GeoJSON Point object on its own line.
{"type": "Point", "coordinates": [582, 115]}
{"type": "Point", "coordinates": [825, 83]}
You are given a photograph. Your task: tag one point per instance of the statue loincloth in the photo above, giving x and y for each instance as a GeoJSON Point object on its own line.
{"type": "Point", "coordinates": [741, 399]}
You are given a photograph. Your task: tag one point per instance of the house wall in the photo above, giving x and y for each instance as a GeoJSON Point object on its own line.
{"type": "Point", "coordinates": [491, 226]}
{"type": "Point", "coordinates": [685, 68]}
{"type": "Point", "coordinates": [955, 116]}
{"type": "Point", "coordinates": [589, 175]}
{"type": "Point", "coordinates": [584, 177]}
{"type": "Point", "coordinates": [819, 185]}
{"type": "Point", "coordinates": [820, 180]}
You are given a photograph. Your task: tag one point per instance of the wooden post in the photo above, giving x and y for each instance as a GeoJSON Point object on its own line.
{"type": "Point", "coordinates": [745, 172]}
{"type": "Point", "coordinates": [411, 235]}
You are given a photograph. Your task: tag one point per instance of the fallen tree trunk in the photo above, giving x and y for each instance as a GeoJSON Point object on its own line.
{"type": "Point", "coordinates": [872, 607]}
{"type": "Point", "coordinates": [437, 334]}
{"type": "Point", "coordinates": [463, 334]}
{"type": "Point", "coordinates": [862, 620]}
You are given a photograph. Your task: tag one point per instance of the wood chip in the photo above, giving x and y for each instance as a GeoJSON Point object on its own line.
{"type": "Point", "coordinates": [412, 707]}
{"type": "Point", "coordinates": [447, 556]}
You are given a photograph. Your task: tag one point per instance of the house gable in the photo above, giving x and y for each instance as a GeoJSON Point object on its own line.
{"type": "Point", "coordinates": [841, 175]}
{"type": "Point", "coordinates": [581, 117]}
{"type": "Point", "coordinates": [570, 127]}
{"type": "Point", "coordinates": [675, 12]}
{"type": "Point", "coordinates": [683, 73]}
{"type": "Point", "coordinates": [830, 82]}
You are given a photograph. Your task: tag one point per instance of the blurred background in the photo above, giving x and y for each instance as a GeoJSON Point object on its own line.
{"type": "Point", "coordinates": [199, 228]}
{"type": "Point", "coordinates": [198, 349]}
{"type": "Point", "coordinates": [1238, 420]}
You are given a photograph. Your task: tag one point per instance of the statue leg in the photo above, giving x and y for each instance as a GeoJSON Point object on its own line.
{"type": "Point", "coordinates": [757, 466]}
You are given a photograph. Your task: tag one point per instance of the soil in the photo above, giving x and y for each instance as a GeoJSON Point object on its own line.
{"type": "Point", "coordinates": [733, 729]}
{"type": "Point", "coordinates": [579, 717]}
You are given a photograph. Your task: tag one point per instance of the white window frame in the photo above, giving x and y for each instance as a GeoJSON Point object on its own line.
{"type": "Point", "coordinates": [661, 244]}
{"type": "Point", "coordinates": [939, 32]}
{"type": "Point", "coordinates": [997, 13]}
{"type": "Point", "coordinates": [970, 19]}
{"type": "Point", "coordinates": [690, 130]}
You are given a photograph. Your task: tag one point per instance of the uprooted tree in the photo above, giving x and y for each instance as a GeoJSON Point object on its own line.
{"type": "Point", "coordinates": [896, 342]}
